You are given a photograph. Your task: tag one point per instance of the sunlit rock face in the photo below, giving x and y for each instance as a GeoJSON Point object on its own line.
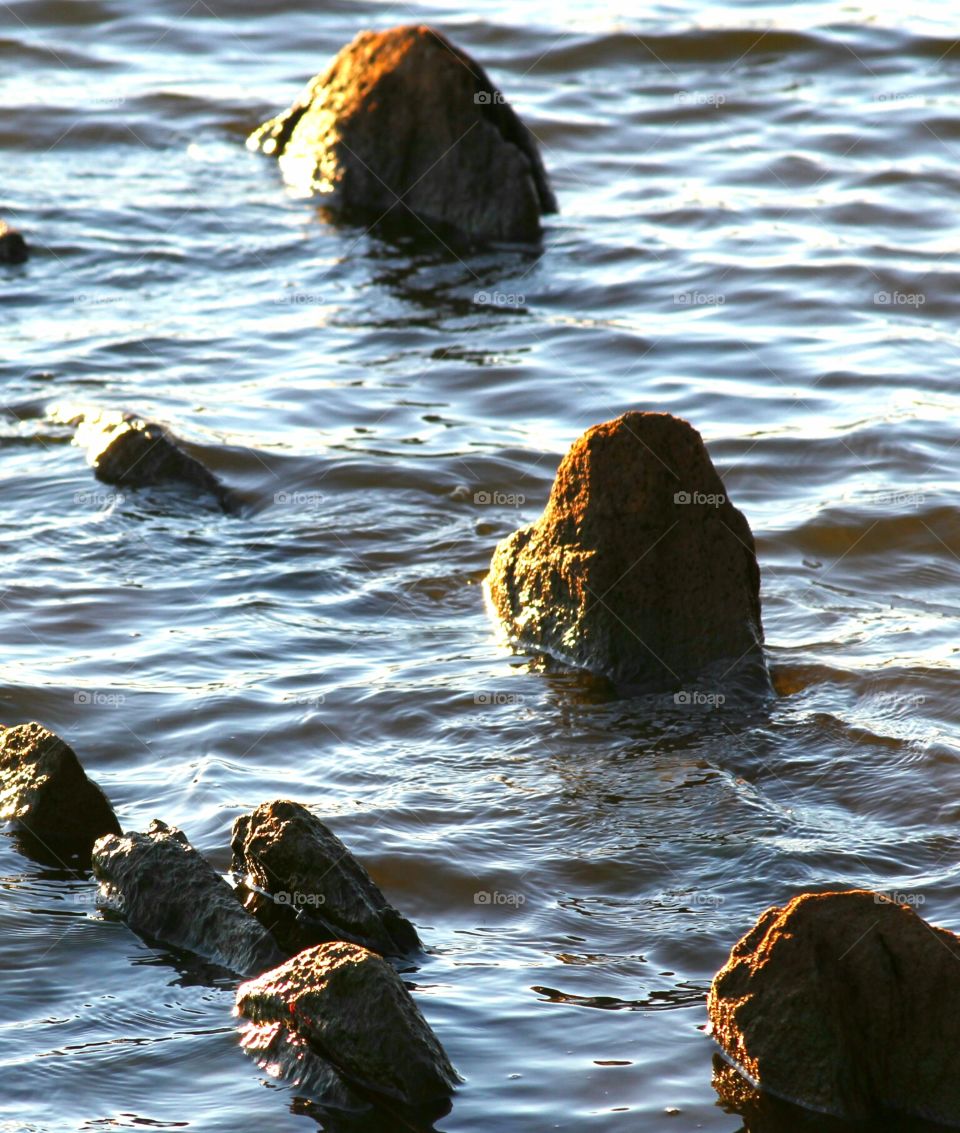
{"type": "Point", "coordinates": [402, 126]}
{"type": "Point", "coordinates": [299, 878]}
{"type": "Point", "coordinates": [13, 247]}
{"type": "Point", "coordinates": [352, 1010]}
{"type": "Point", "coordinates": [640, 568]}
{"type": "Point", "coordinates": [845, 1003]}
{"type": "Point", "coordinates": [164, 889]}
{"type": "Point", "coordinates": [46, 794]}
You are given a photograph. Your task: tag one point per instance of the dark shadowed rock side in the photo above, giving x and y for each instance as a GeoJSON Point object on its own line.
{"type": "Point", "coordinates": [640, 568]}
{"type": "Point", "coordinates": [403, 124]}
{"type": "Point", "coordinates": [303, 882]}
{"type": "Point", "coordinates": [164, 889]}
{"type": "Point", "coordinates": [845, 1003]}
{"type": "Point", "coordinates": [352, 1010]}
{"type": "Point", "coordinates": [13, 247]}
{"type": "Point", "coordinates": [125, 450]}
{"type": "Point", "coordinates": [45, 792]}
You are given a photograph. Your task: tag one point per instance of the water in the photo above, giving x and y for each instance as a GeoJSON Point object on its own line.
{"type": "Point", "coordinates": [758, 232]}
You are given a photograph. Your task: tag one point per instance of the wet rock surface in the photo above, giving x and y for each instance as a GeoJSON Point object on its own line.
{"type": "Point", "coordinates": [304, 882]}
{"type": "Point", "coordinates": [164, 889]}
{"type": "Point", "coordinates": [845, 1003]}
{"type": "Point", "coordinates": [127, 451]}
{"type": "Point", "coordinates": [354, 1012]}
{"type": "Point", "coordinates": [45, 792]}
{"type": "Point", "coordinates": [640, 568]}
{"type": "Point", "coordinates": [13, 247]}
{"type": "Point", "coordinates": [404, 125]}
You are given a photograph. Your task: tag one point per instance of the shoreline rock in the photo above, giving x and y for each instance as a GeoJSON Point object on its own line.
{"type": "Point", "coordinates": [353, 1010]}
{"type": "Point", "coordinates": [404, 124]}
{"type": "Point", "coordinates": [165, 889]}
{"type": "Point", "coordinates": [13, 247]}
{"type": "Point", "coordinates": [847, 1004]}
{"type": "Point", "coordinates": [45, 792]}
{"type": "Point", "coordinates": [302, 882]}
{"type": "Point", "coordinates": [640, 568]}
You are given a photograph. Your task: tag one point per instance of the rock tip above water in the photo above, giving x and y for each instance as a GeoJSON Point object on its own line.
{"type": "Point", "coordinates": [13, 247]}
{"type": "Point", "coordinates": [404, 125]}
{"type": "Point", "coordinates": [846, 1003]}
{"type": "Point", "coordinates": [640, 568]}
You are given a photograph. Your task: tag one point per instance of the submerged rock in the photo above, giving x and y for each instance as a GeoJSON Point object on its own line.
{"type": "Point", "coordinates": [45, 792]}
{"type": "Point", "coordinates": [13, 247]}
{"type": "Point", "coordinates": [303, 882]}
{"type": "Point", "coordinates": [845, 1003]}
{"type": "Point", "coordinates": [640, 568]}
{"type": "Point", "coordinates": [404, 125]}
{"type": "Point", "coordinates": [353, 1010]}
{"type": "Point", "coordinates": [164, 889]}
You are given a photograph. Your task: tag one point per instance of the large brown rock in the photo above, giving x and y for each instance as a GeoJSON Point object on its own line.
{"type": "Point", "coordinates": [352, 1009]}
{"type": "Point", "coordinates": [845, 1003]}
{"type": "Point", "coordinates": [303, 883]}
{"type": "Point", "coordinates": [45, 792]}
{"type": "Point", "coordinates": [403, 125]}
{"type": "Point", "coordinates": [165, 890]}
{"type": "Point", "coordinates": [13, 247]}
{"type": "Point", "coordinates": [640, 568]}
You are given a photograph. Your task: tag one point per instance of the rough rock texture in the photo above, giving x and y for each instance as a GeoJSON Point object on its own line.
{"type": "Point", "coordinates": [302, 882]}
{"type": "Point", "coordinates": [845, 1003]}
{"type": "Point", "coordinates": [13, 247]}
{"type": "Point", "coordinates": [353, 1010]}
{"type": "Point", "coordinates": [46, 793]}
{"type": "Point", "coordinates": [163, 888]}
{"type": "Point", "coordinates": [640, 568]}
{"type": "Point", "coordinates": [403, 123]}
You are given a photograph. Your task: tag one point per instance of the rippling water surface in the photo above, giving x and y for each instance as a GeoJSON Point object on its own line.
{"type": "Point", "coordinates": [758, 231]}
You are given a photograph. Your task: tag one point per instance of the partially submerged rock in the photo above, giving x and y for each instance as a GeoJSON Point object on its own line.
{"type": "Point", "coordinates": [845, 1003]}
{"type": "Point", "coordinates": [164, 889]}
{"type": "Point", "coordinates": [640, 568]}
{"type": "Point", "coordinates": [353, 1010]}
{"type": "Point", "coordinates": [13, 247]}
{"type": "Point", "coordinates": [303, 882]}
{"type": "Point", "coordinates": [45, 792]}
{"type": "Point", "coordinates": [403, 124]}
{"type": "Point", "coordinates": [126, 450]}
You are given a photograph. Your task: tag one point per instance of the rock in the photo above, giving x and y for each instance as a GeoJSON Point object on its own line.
{"type": "Point", "coordinates": [13, 247]}
{"type": "Point", "coordinates": [130, 452]}
{"type": "Point", "coordinates": [640, 568]}
{"type": "Point", "coordinates": [404, 125]}
{"type": "Point", "coordinates": [46, 793]}
{"type": "Point", "coordinates": [353, 1010]}
{"type": "Point", "coordinates": [164, 889]}
{"type": "Point", "coordinates": [845, 1003]}
{"type": "Point", "coordinates": [302, 882]}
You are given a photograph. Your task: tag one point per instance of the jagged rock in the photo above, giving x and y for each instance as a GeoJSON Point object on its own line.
{"type": "Point", "coordinates": [845, 1003]}
{"type": "Point", "coordinates": [13, 247]}
{"type": "Point", "coordinates": [164, 889]}
{"type": "Point", "coordinates": [126, 450]}
{"type": "Point", "coordinates": [302, 882]}
{"type": "Point", "coordinates": [353, 1010]}
{"type": "Point", "coordinates": [403, 124]}
{"type": "Point", "coordinates": [46, 793]}
{"type": "Point", "coordinates": [640, 568]}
